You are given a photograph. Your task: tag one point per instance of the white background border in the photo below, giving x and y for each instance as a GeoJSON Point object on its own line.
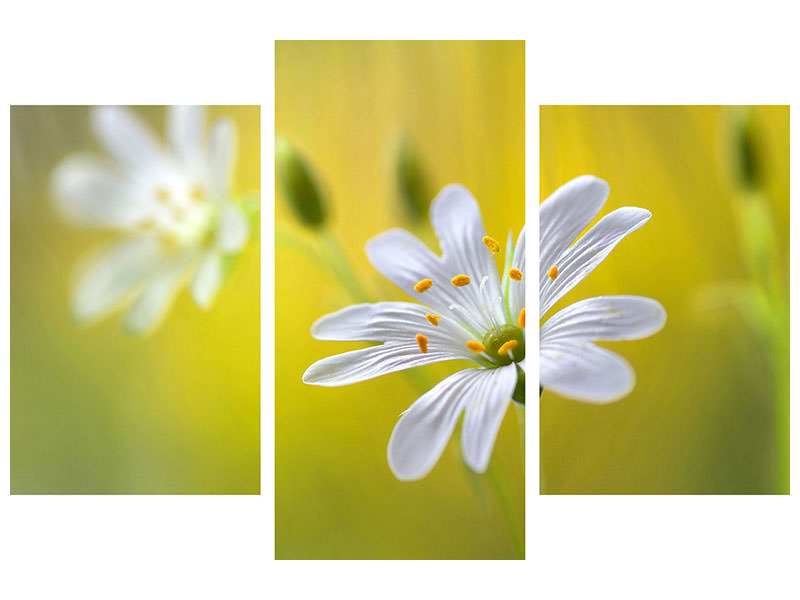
{"type": "Point", "coordinates": [223, 546]}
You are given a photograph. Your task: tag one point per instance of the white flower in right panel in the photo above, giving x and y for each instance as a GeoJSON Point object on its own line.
{"type": "Point", "coordinates": [570, 364]}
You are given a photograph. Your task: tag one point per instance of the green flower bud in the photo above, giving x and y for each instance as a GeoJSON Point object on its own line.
{"type": "Point", "coordinates": [412, 187]}
{"type": "Point", "coordinates": [299, 184]}
{"type": "Point", "coordinates": [744, 156]}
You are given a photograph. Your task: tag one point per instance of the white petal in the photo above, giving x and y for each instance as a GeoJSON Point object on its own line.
{"type": "Point", "coordinates": [516, 290]}
{"type": "Point", "coordinates": [156, 298]}
{"type": "Point", "coordinates": [88, 192]}
{"type": "Point", "coordinates": [589, 251]}
{"type": "Point", "coordinates": [233, 229]}
{"type": "Point", "coordinates": [605, 318]}
{"type": "Point", "coordinates": [403, 259]}
{"type": "Point", "coordinates": [128, 139]}
{"type": "Point", "coordinates": [485, 408]}
{"type": "Point", "coordinates": [207, 279]}
{"type": "Point", "coordinates": [422, 432]}
{"type": "Point", "coordinates": [185, 133]}
{"type": "Point", "coordinates": [456, 218]}
{"type": "Point", "coordinates": [110, 274]}
{"type": "Point", "coordinates": [584, 372]}
{"type": "Point", "coordinates": [221, 155]}
{"type": "Point", "coordinates": [566, 213]}
{"type": "Point", "coordinates": [391, 321]}
{"type": "Point", "coordinates": [367, 363]}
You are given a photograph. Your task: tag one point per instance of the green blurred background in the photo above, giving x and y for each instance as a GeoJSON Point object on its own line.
{"type": "Point", "coordinates": [346, 106]}
{"type": "Point", "coordinates": [709, 413]}
{"type": "Point", "coordinates": [92, 409]}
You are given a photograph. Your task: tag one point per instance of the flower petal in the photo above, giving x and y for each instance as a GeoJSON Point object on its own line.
{"type": "Point", "coordinates": [367, 363]}
{"type": "Point", "coordinates": [112, 273]}
{"type": "Point", "coordinates": [403, 259]}
{"type": "Point", "coordinates": [391, 321]}
{"type": "Point", "coordinates": [233, 229]}
{"type": "Point", "coordinates": [485, 408]}
{"type": "Point", "coordinates": [605, 318]}
{"type": "Point", "coordinates": [584, 372]}
{"type": "Point", "coordinates": [185, 133]}
{"type": "Point", "coordinates": [566, 213]}
{"type": "Point", "coordinates": [421, 434]}
{"type": "Point", "coordinates": [589, 251]}
{"type": "Point", "coordinates": [516, 291]}
{"type": "Point", "coordinates": [456, 218]}
{"type": "Point", "coordinates": [207, 279]}
{"type": "Point", "coordinates": [156, 298]}
{"type": "Point", "coordinates": [128, 139]}
{"type": "Point", "coordinates": [88, 192]}
{"type": "Point", "coordinates": [221, 156]}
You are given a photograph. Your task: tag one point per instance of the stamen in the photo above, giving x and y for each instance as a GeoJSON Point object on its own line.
{"type": "Point", "coordinates": [553, 272]}
{"type": "Point", "coordinates": [509, 345]}
{"type": "Point", "coordinates": [162, 194]}
{"type": "Point", "coordinates": [475, 346]}
{"type": "Point", "coordinates": [422, 342]}
{"type": "Point", "coordinates": [423, 286]}
{"type": "Point", "coordinates": [460, 280]}
{"type": "Point", "coordinates": [432, 319]}
{"type": "Point", "coordinates": [197, 193]}
{"type": "Point", "coordinates": [515, 274]}
{"type": "Point", "coordinates": [491, 243]}
{"type": "Point", "coordinates": [521, 319]}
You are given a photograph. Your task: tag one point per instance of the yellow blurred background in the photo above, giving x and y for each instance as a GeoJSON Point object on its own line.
{"type": "Point", "coordinates": [94, 410]}
{"type": "Point", "coordinates": [345, 106]}
{"type": "Point", "coordinates": [709, 413]}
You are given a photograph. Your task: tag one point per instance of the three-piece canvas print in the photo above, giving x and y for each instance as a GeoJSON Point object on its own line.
{"type": "Point", "coordinates": [401, 296]}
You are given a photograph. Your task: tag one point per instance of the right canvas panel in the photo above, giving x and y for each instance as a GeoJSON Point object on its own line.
{"type": "Point", "coordinates": [664, 299]}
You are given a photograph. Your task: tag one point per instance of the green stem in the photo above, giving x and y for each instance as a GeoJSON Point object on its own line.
{"type": "Point", "coordinates": [497, 478]}
{"type": "Point", "coordinates": [341, 265]}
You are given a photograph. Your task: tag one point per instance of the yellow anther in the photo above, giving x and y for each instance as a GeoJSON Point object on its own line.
{"type": "Point", "coordinates": [491, 243]}
{"type": "Point", "coordinates": [475, 346]}
{"type": "Point", "coordinates": [423, 286]}
{"type": "Point", "coordinates": [509, 345]}
{"type": "Point", "coordinates": [553, 272]}
{"type": "Point", "coordinates": [515, 274]}
{"type": "Point", "coordinates": [197, 193]}
{"type": "Point", "coordinates": [171, 243]}
{"type": "Point", "coordinates": [162, 194]}
{"type": "Point", "coordinates": [460, 280]}
{"type": "Point", "coordinates": [422, 342]}
{"type": "Point", "coordinates": [521, 318]}
{"type": "Point", "coordinates": [432, 319]}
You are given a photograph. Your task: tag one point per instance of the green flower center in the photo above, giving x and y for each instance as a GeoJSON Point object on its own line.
{"type": "Point", "coordinates": [505, 347]}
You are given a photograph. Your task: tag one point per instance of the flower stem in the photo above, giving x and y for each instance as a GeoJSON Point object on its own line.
{"type": "Point", "coordinates": [339, 262]}
{"type": "Point", "coordinates": [497, 478]}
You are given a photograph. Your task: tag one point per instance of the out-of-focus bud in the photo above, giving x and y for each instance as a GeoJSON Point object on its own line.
{"type": "Point", "coordinates": [757, 235]}
{"type": "Point", "coordinates": [412, 188]}
{"type": "Point", "coordinates": [743, 148]}
{"type": "Point", "coordinates": [300, 184]}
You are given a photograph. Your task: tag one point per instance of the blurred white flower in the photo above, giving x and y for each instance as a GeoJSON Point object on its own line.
{"type": "Point", "coordinates": [171, 205]}
{"type": "Point", "coordinates": [569, 363]}
{"type": "Point", "coordinates": [467, 314]}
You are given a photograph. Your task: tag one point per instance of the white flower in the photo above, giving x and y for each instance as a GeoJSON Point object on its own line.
{"type": "Point", "coordinates": [467, 314]}
{"type": "Point", "coordinates": [569, 363]}
{"type": "Point", "coordinates": [171, 204]}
